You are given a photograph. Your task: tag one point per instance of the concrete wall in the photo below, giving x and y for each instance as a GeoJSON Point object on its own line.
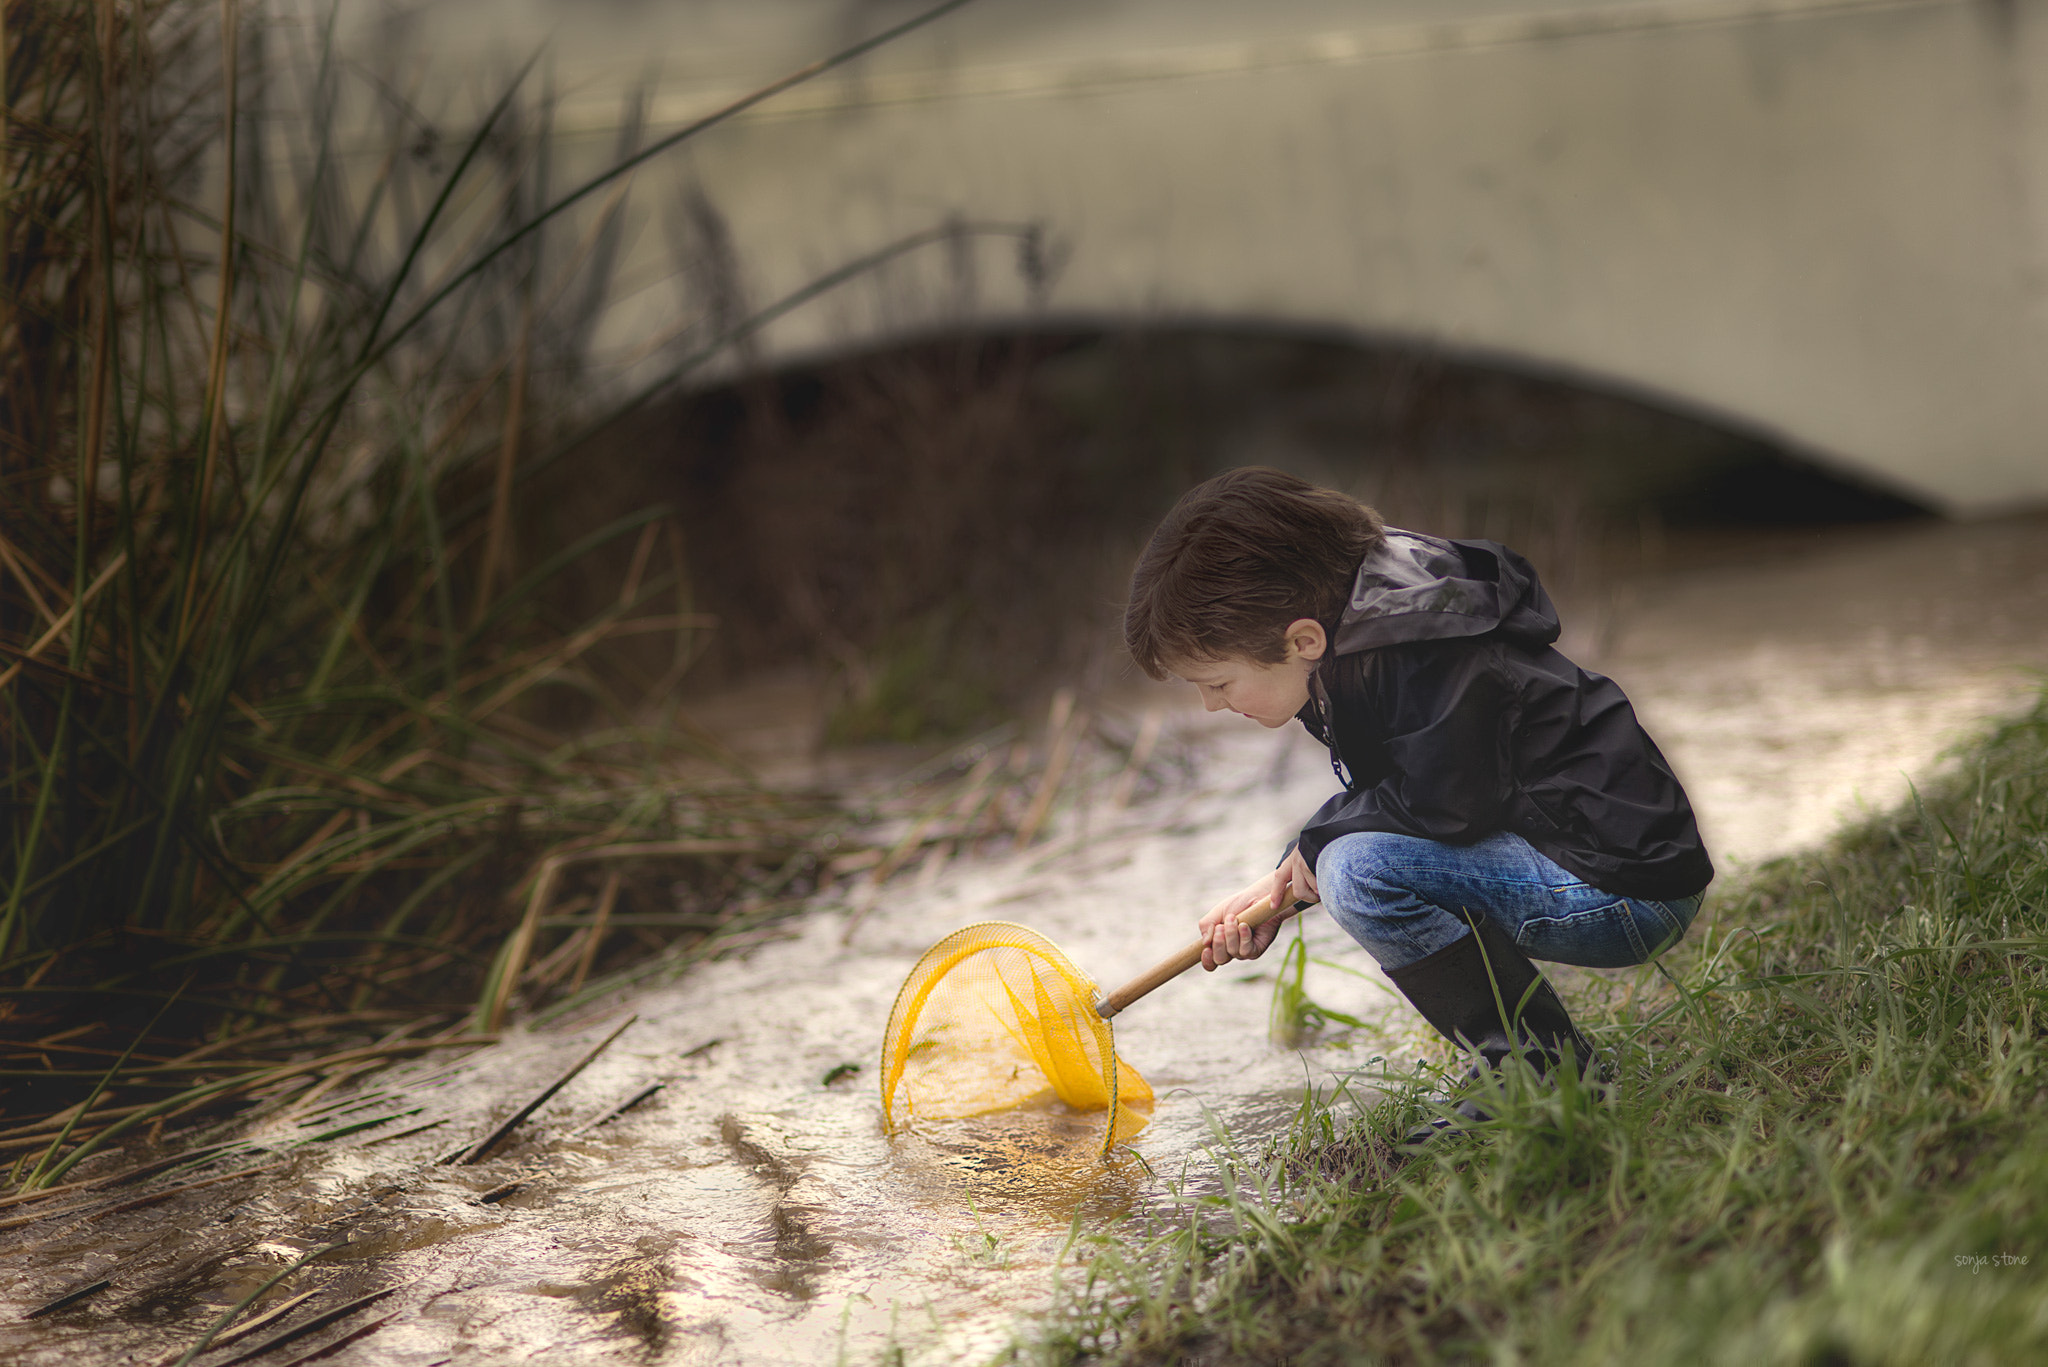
{"type": "Point", "coordinates": [1826, 220]}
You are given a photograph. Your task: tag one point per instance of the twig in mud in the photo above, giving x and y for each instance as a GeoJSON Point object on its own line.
{"type": "Point", "coordinates": [91, 1212]}
{"type": "Point", "coordinates": [303, 1104]}
{"type": "Point", "coordinates": [406, 1134]}
{"type": "Point", "coordinates": [251, 1325]}
{"type": "Point", "coordinates": [498, 1136]}
{"type": "Point", "coordinates": [68, 1298]}
{"type": "Point", "coordinates": [345, 1340]}
{"type": "Point", "coordinates": [313, 1325]}
{"type": "Point", "coordinates": [227, 1317]}
{"type": "Point", "coordinates": [624, 1106]}
{"type": "Point", "coordinates": [46, 1194]}
{"type": "Point", "coordinates": [18, 1221]}
{"type": "Point", "coordinates": [502, 1190]}
{"type": "Point", "coordinates": [331, 1082]}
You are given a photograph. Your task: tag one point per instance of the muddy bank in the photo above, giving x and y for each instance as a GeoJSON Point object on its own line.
{"type": "Point", "coordinates": [1802, 678]}
{"type": "Point", "coordinates": [752, 1212]}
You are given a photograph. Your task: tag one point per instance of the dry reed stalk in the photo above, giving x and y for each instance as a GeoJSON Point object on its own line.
{"type": "Point", "coordinates": [190, 1158]}
{"type": "Point", "coordinates": [1066, 727]}
{"type": "Point", "coordinates": [32, 578]}
{"type": "Point", "coordinates": [92, 1212]}
{"type": "Point", "coordinates": [595, 935]}
{"type": "Point", "coordinates": [496, 539]}
{"type": "Point", "coordinates": [512, 958]}
{"type": "Point", "coordinates": [217, 360]}
{"type": "Point", "coordinates": [104, 296]}
{"type": "Point", "coordinates": [62, 624]}
{"type": "Point", "coordinates": [1141, 755]}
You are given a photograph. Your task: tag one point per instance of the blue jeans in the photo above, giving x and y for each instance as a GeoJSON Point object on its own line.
{"type": "Point", "coordinates": [1404, 898]}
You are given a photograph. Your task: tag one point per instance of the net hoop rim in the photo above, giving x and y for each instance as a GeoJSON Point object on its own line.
{"type": "Point", "coordinates": [897, 1012]}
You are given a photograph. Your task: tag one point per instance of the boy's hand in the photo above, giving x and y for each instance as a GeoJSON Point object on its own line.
{"type": "Point", "coordinates": [1225, 939]}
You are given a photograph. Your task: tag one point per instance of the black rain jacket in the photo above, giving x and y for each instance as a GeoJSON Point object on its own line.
{"type": "Point", "coordinates": [1450, 715]}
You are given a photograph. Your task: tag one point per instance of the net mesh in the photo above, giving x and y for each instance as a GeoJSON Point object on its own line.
{"type": "Point", "coordinates": [994, 1017]}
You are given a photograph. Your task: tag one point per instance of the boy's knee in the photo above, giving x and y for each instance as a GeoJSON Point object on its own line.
{"type": "Point", "coordinates": [1354, 870]}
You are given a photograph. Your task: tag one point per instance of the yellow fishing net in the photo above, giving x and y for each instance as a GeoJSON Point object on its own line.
{"type": "Point", "coordinates": [995, 1017]}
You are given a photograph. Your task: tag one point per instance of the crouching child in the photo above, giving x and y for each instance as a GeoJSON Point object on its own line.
{"type": "Point", "coordinates": [1499, 805]}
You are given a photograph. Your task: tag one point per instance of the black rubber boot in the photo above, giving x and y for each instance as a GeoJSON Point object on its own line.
{"type": "Point", "coordinates": [1483, 993]}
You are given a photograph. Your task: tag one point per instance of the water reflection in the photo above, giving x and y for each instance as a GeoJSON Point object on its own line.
{"type": "Point", "coordinates": [1041, 1160]}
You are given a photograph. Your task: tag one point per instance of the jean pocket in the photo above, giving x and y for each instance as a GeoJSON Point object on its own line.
{"type": "Point", "coordinates": [1619, 935]}
{"type": "Point", "coordinates": [1677, 918]}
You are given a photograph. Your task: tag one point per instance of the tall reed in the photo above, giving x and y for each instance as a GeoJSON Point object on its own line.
{"type": "Point", "coordinates": [271, 656]}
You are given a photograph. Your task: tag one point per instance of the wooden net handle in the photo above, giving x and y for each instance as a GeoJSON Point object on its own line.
{"type": "Point", "coordinates": [1166, 970]}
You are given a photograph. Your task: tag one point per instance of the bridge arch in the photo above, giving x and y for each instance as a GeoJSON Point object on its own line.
{"type": "Point", "coordinates": [1823, 220]}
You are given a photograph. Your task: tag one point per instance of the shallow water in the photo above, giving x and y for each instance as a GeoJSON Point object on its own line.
{"type": "Point", "coordinates": [751, 1213]}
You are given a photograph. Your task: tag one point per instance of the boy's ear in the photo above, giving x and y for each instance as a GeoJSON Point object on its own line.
{"type": "Point", "coordinates": [1306, 639]}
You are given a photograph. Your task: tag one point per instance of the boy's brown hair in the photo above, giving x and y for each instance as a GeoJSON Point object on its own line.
{"type": "Point", "coordinates": [1239, 558]}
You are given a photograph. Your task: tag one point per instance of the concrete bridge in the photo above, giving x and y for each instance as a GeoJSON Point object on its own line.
{"type": "Point", "coordinates": [1823, 221]}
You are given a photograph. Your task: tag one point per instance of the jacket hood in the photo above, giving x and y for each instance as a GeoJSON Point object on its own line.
{"type": "Point", "coordinates": [1414, 587]}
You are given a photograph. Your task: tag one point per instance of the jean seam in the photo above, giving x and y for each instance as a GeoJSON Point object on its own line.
{"type": "Point", "coordinates": [1408, 941]}
{"type": "Point", "coordinates": [1672, 931]}
{"type": "Point", "coordinates": [1628, 920]}
{"type": "Point", "coordinates": [1465, 877]}
{"type": "Point", "coordinates": [1635, 932]}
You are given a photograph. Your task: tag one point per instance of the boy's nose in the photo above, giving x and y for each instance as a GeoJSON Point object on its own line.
{"type": "Point", "coordinates": [1212, 700]}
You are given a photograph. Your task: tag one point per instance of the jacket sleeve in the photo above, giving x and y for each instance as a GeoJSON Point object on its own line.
{"type": "Point", "coordinates": [1423, 731]}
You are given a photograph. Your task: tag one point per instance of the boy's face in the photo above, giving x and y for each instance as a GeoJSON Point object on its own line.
{"type": "Point", "coordinates": [1270, 694]}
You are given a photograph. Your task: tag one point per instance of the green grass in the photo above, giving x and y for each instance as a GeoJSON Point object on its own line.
{"type": "Point", "coordinates": [1830, 1105]}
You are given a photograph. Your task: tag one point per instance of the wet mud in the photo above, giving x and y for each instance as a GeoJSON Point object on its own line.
{"type": "Point", "coordinates": [753, 1211]}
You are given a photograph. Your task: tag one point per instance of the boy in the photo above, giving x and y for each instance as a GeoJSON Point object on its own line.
{"type": "Point", "coordinates": [1500, 803]}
